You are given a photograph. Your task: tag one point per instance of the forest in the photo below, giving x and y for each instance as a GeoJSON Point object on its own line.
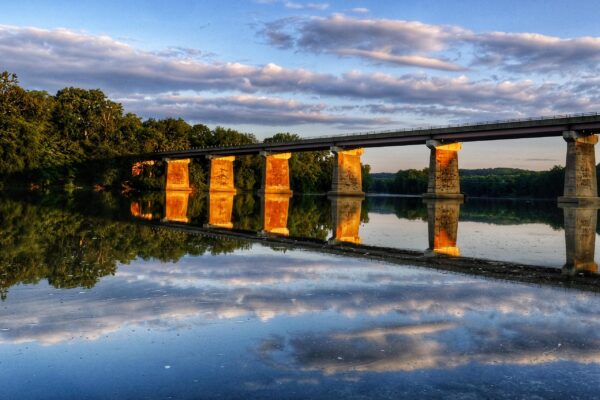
{"type": "Point", "coordinates": [492, 182]}
{"type": "Point", "coordinates": [80, 138]}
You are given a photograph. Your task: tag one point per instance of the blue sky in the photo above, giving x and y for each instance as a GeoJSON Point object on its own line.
{"type": "Point", "coordinates": [322, 67]}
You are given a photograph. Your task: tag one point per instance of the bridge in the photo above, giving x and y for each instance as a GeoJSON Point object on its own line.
{"type": "Point", "coordinates": [579, 132]}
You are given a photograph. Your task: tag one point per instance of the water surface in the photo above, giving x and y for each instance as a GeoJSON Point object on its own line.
{"type": "Point", "coordinates": [98, 302]}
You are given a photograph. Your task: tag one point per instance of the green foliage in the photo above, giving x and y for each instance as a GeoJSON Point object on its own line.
{"type": "Point", "coordinates": [492, 182]}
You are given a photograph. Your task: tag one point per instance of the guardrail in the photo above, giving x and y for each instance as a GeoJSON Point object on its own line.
{"type": "Point", "coordinates": [402, 130]}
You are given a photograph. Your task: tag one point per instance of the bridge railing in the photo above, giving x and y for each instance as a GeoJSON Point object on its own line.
{"type": "Point", "coordinates": [405, 130]}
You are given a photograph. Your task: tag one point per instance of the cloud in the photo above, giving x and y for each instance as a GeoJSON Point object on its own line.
{"type": "Point", "coordinates": [532, 52]}
{"type": "Point", "coordinates": [306, 6]}
{"type": "Point", "coordinates": [52, 59]}
{"type": "Point", "coordinates": [416, 44]}
{"type": "Point", "coordinates": [360, 10]}
{"type": "Point", "coordinates": [243, 109]}
{"type": "Point", "coordinates": [381, 40]}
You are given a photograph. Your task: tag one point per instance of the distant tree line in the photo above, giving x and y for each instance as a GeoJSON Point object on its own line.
{"type": "Point", "coordinates": [78, 137]}
{"type": "Point", "coordinates": [492, 182]}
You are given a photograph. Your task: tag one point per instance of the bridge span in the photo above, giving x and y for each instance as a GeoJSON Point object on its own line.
{"type": "Point", "coordinates": [579, 132]}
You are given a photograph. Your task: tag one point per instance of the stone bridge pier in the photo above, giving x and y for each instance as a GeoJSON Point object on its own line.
{"type": "Point", "coordinates": [442, 224]}
{"type": "Point", "coordinates": [580, 172]}
{"type": "Point", "coordinates": [580, 237]}
{"type": "Point", "coordinates": [444, 182]}
{"type": "Point", "coordinates": [275, 173]}
{"type": "Point", "coordinates": [347, 172]}
{"type": "Point", "coordinates": [345, 213]}
{"type": "Point", "coordinates": [221, 174]}
{"type": "Point", "coordinates": [178, 177]}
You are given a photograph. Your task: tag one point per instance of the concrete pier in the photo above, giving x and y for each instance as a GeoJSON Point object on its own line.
{"type": "Point", "coordinates": [274, 212]}
{"type": "Point", "coordinates": [580, 172]}
{"type": "Point", "coordinates": [444, 182]}
{"type": "Point", "coordinates": [442, 224]}
{"type": "Point", "coordinates": [345, 213]}
{"type": "Point", "coordinates": [221, 174]}
{"type": "Point", "coordinates": [276, 173]}
{"type": "Point", "coordinates": [580, 237]}
{"type": "Point", "coordinates": [347, 173]}
{"type": "Point", "coordinates": [178, 177]}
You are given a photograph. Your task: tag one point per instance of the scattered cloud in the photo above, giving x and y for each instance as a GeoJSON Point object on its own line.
{"type": "Point", "coordinates": [243, 109]}
{"type": "Point", "coordinates": [532, 52]}
{"type": "Point", "coordinates": [381, 40]}
{"type": "Point", "coordinates": [148, 81]}
{"type": "Point", "coordinates": [306, 6]}
{"type": "Point", "coordinates": [416, 44]}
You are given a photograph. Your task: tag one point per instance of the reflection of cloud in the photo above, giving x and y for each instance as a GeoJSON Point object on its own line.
{"type": "Point", "coordinates": [440, 345]}
{"type": "Point", "coordinates": [450, 321]}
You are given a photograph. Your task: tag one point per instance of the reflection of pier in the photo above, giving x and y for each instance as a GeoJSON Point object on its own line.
{"type": "Point", "coordinates": [220, 208]}
{"type": "Point", "coordinates": [580, 238]}
{"type": "Point", "coordinates": [274, 212]}
{"type": "Point", "coordinates": [442, 223]}
{"type": "Point", "coordinates": [138, 210]}
{"type": "Point", "coordinates": [176, 205]}
{"type": "Point", "coordinates": [345, 212]}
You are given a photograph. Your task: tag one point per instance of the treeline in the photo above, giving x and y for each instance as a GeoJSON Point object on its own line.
{"type": "Point", "coordinates": [79, 137]}
{"type": "Point", "coordinates": [492, 182]}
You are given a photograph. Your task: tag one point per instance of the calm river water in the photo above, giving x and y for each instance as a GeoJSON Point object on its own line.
{"type": "Point", "coordinates": [101, 298]}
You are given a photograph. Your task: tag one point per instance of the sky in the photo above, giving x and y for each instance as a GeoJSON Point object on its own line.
{"type": "Point", "coordinates": [322, 68]}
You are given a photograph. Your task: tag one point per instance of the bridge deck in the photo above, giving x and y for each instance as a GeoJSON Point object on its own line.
{"type": "Point", "coordinates": [513, 129]}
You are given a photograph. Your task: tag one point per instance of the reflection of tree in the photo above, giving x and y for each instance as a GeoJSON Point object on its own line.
{"type": "Point", "coordinates": [42, 241]}
{"type": "Point", "coordinates": [310, 217]}
{"type": "Point", "coordinates": [492, 211]}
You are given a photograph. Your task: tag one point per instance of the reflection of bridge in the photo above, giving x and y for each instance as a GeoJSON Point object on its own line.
{"type": "Point", "coordinates": [442, 215]}
{"type": "Point", "coordinates": [578, 131]}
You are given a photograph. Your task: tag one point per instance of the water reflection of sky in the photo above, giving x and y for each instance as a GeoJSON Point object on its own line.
{"type": "Point", "coordinates": [260, 323]}
{"type": "Point", "coordinates": [529, 243]}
